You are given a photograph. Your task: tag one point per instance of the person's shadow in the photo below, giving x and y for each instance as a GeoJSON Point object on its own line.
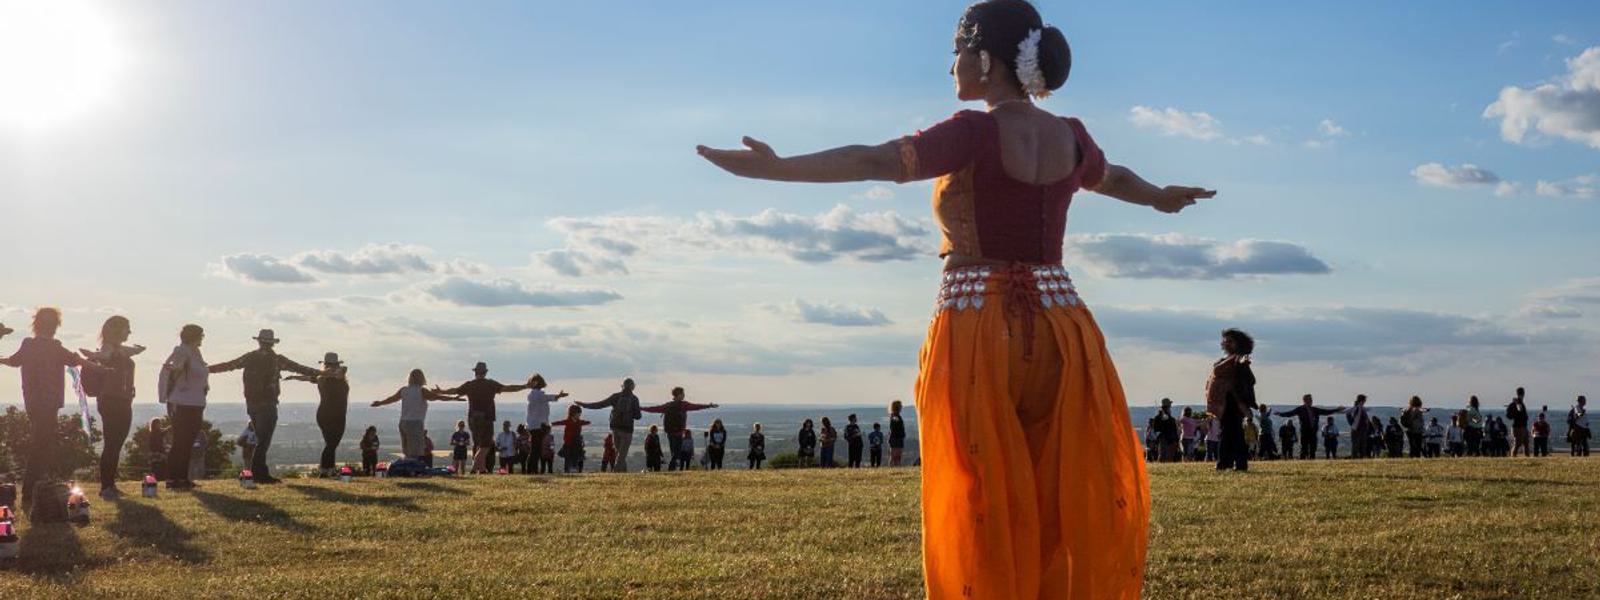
{"type": "Point", "coordinates": [142, 525]}
{"type": "Point", "coordinates": [332, 495]}
{"type": "Point", "coordinates": [250, 511]}
{"type": "Point", "coordinates": [431, 487]}
{"type": "Point", "coordinates": [52, 551]}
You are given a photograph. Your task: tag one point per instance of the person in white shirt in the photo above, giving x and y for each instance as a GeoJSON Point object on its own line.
{"type": "Point", "coordinates": [539, 402]}
{"type": "Point", "coordinates": [1433, 438]}
{"type": "Point", "coordinates": [506, 442]}
{"type": "Point", "coordinates": [1455, 437]}
{"type": "Point", "coordinates": [413, 399]}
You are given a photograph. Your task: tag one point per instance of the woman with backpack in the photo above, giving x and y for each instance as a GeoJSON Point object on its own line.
{"type": "Point", "coordinates": [758, 448]}
{"type": "Point", "coordinates": [333, 392]}
{"type": "Point", "coordinates": [183, 384]}
{"type": "Point", "coordinates": [113, 391]}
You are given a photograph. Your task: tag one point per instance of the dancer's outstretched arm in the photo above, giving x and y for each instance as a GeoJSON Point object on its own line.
{"type": "Point", "coordinates": [845, 163]}
{"type": "Point", "coordinates": [1123, 184]}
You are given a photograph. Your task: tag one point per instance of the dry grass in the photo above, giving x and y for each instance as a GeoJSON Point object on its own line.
{"type": "Point", "coordinates": [1393, 529]}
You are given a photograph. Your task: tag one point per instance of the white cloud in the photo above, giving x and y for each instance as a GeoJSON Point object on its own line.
{"type": "Point", "coordinates": [1329, 128]}
{"type": "Point", "coordinates": [1573, 299]}
{"type": "Point", "coordinates": [876, 192]}
{"type": "Point", "coordinates": [1568, 108]}
{"type": "Point", "coordinates": [1584, 188]}
{"type": "Point", "coordinates": [1173, 256]}
{"type": "Point", "coordinates": [604, 244]}
{"type": "Point", "coordinates": [831, 313]}
{"type": "Point", "coordinates": [1174, 122]}
{"type": "Point", "coordinates": [1462, 176]}
{"type": "Point", "coordinates": [506, 292]}
{"type": "Point", "coordinates": [1563, 39]}
{"type": "Point", "coordinates": [260, 268]}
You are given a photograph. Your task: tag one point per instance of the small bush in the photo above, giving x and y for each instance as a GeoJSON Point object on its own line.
{"type": "Point", "coordinates": [219, 452]}
{"type": "Point", "coordinates": [74, 450]}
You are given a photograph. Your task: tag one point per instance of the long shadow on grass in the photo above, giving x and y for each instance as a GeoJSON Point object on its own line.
{"type": "Point", "coordinates": [251, 511]}
{"type": "Point", "coordinates": [143, 525]}
{"type": "Point", "coordinates": [428, 486]}
{"type": "Point", "coordinates": [52, 551]}
{"type": "Point", "coordinates": [332, 495]}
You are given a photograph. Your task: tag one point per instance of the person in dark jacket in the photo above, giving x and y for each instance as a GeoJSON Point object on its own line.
{"type": "Point", "coordinates": [1308, 416]}
{"type": "Point", "coordinates": [1360, 427]}
{"type": "Point", "coordinates": [652, 450]}
{"type": "Point", "coordinates": [758, 447]}
{"type": "Point", "coordinates": [625, 410]}
{"type": "Point", "coordinates": [1411, 420]}
{"type": "Point", "coordinates": [333, 392]}
{"type": "Point", "coordinates": [853, 443]}
{"type": "Point", "coordinates": [369, 450]}
{"type": "Point", "coordinates": [1231, 393]}
{"type": "Point", "coordinates": [263, 370]}
{"type": "Point", "coordinates": [1286, 435]}
{"type": "Point", "coordinates": [807, 439]}
{"type": "Point", "coordinates": [1517, 411]}
{"type": "Point", "coordinates": [897, 434]}
{"type": "Point", "coordinates": [675, 416]}
{"type": "Point", "coordinates": [1167, 436]}
{"type": "Point", "coordinates": [1394, 438]}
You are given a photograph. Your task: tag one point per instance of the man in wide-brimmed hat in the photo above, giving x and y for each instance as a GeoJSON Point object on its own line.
{"type": "Point", "coordinates": [262, 373]}
{"type": "Point", "coordinates": [480, 393]}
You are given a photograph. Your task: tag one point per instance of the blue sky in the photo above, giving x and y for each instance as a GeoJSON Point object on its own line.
{"type": "Point", "coordinates": [415, 184]}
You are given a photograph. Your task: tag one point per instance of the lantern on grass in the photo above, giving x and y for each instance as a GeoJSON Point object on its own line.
{"type": "Point", "coordinates": [148, 488]}
{"type": "Point", "coordinates": [345, 473]}
{"type": "Point", "coordinates": [10, 543]}
{"type": "Point", "coordinates": [247, 480]}
{"type": "Point", "coordinates": [383, 470]}
{"type": "Point", "coordinates": [77, 505]}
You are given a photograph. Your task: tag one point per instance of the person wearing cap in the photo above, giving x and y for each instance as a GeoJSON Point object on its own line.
{"type": "Point", "coordinates": [624, 407]}
{"type": "Point", "coordinates": [1166, 427]}
{"type": "Point", "coordinates": [263, 370]}
{"type": "Point", "coordinates": [480, 393]}
{"type": "Point", "coordinates": [333, 390]}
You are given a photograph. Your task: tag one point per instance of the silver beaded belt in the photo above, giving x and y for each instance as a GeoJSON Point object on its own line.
{"type": "Point", "coordinates": [971, 287]}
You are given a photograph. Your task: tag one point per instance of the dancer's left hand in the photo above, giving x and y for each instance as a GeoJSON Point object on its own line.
{"type": "Point", "coordinates": [759, 161]}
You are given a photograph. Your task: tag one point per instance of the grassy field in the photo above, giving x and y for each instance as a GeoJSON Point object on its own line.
{"type": "Point", "coordinates": [1474, 528]}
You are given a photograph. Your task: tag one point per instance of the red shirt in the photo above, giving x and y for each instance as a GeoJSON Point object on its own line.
{"type": "Point", "coordinates": [573, 431]}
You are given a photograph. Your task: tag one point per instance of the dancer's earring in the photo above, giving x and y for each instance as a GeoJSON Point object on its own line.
{"type": "Point", "coordinates": [983, 65]}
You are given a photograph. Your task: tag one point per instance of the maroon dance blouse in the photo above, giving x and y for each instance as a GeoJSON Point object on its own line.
{"type": "Point", "coordinates": [982, 211]}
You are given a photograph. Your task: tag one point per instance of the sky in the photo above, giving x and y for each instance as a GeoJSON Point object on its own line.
{"type": "Point", "coordinates": [1408, 192]}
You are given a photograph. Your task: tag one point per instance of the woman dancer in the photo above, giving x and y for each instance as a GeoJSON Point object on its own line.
{"type": "Point", "coordinates": [1034, 485]}
{"type": "Point", "coordinates": [413, 399]}
{"type": "Point", "coordinates": [333, 388]}
{"type": "Point", "coordinates": [115, 400]}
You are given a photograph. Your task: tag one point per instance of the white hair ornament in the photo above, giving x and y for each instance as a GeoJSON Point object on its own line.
{"type": "Point", "coordinates": [1028, 72]}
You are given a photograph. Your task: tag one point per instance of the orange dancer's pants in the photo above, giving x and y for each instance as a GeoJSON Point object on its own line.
{"type": "Point", "coordinates": [1033, 480]}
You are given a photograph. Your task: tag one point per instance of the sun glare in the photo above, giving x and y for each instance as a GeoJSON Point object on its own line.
{"type": "Point", "coordinates": [58, 60]}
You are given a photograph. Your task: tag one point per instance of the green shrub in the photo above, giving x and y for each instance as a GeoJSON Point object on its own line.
{"type": "Point", "coordinates": [219, 452]}
{"type": "Point", "coordinates": [74, 451]}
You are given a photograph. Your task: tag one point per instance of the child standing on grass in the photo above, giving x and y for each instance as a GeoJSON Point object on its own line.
{"type": "Point", "coordinates": [506, 443]}
{"type": "Point", "coordinates": [547, 456]}
{"type": "Point", "coordinates": [828, 438]}
{"type": "Point", "coordinates": [875, 445]}
{"type": "Point", "coordinates": [853, 442]}
{"type": "Point", "coordinates": [459, 441]}
{"type": "Point", "coordinates": [686, 450]}
{"type": "Point", "coordinates": [572, 440]}
{"type": "Point", "coordinates": [808, 443]}
{"type": "Point", "coordinates": [427, 449]}
{"type": "Point", "coordinates": [608, 456]}
{"type": "Point", "coordinates": [1330, 439]}
{"type": "Point", "coordinates": [525, 449]}
{"type": "Point", "coordinates": [897, 434]}
{"type": "Point", "coordinates": [1456, 436]}
{"type": "Point", "coordinates": [758, 448]}
{"type": "Point", "coordinates": [652, 450]}
{"type": "Point", "coordinates": [369, 450]}
{"type": "Point", "coordinates": [1287, 437]}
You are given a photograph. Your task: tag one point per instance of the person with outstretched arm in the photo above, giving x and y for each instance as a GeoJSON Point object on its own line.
{"type": "Point", "coordinates": [115, 397]}
{"type": "Point", "coordinates": [413, 399]}
{"type": "Point", "coordinates": [625, 410]}
{"type": "Point", "coordinates": [42, 360]}
{"type": "Point", "coordinates": [1308, 415]}
{"type": "Point", "coordinates": [263, 372]}
{"type": "Point", "coordinates": [480, 393]}
{"type": "Point", "coordinates": [333, 394]}
{"type": "Point", "coordinates": [675, 416]}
